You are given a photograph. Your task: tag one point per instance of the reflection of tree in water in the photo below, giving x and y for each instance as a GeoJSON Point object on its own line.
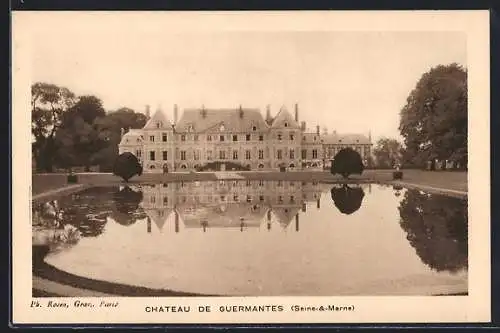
{"type": "Point", "coordinates": [126, 210]}
{"type": "Point", "coordinates": [436, 227]}
{"type": "Point", "coordinates": [86, 211]}
{"type": "Point", "coordinates": [347, 199]}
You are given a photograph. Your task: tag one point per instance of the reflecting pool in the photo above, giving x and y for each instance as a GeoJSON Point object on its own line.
{"type": "Point", "coordinates": [260, 238]}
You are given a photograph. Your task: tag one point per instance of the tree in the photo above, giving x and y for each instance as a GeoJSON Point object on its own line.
{"type": "Point", "coordinates": [347, 199]}
{"type": "Point", "coordinates": [346, 162]}
{"type": "Point", "coordinates": [387, 152]}
{"type": "Point", "coordinates": [78, 138]}
{"type": "Point", "coordinates": [126, 166]}
{"type": "Point", "coordinates": [434, 120]}
{"type": "Point", "coordinates": [437, 227]}
{"type": "Point", "coordinates": [109, 128]}
{"type": "Point", "coordinates": [48, 103]}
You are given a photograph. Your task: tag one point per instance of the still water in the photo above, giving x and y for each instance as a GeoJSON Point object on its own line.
{"type": "Point", "coordinates": [262, 238]}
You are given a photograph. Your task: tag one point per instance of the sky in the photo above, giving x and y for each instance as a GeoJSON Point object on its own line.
{"type": "Point", "coordinates": [351, 82]}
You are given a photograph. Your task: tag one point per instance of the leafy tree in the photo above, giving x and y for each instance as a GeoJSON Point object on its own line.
{"type": "Point", "coordinates": [126, 166]}
{"type": "Point", "coordinates": [387, 152]}
{"type": "Point", "coordinates": [78, 138]}
{"type": "Point", "coordinates": [437, 227]}
{"type": "Point", "coordinates": [109, 128]}
{"type": "Point", "coordinates": [434, 120]}
{"type": "Point", "coordinates": [347, 199]}
{"type": "Point", "coordinates": [346, 162]}
{"type": "Point", "coordinates": [48, 103]}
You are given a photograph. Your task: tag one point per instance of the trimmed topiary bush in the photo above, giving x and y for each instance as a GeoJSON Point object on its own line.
{"type": "Point", "coordinates": [347, 162]}
{"type": "Point", "coordinates": [126, 166]}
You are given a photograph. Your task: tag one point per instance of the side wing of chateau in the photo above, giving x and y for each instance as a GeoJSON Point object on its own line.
{"type": "Point", "coordinates": [240, 138]}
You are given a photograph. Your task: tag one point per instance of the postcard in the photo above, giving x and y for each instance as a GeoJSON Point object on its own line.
{"type": "Point", "coordinates": [250, 167]}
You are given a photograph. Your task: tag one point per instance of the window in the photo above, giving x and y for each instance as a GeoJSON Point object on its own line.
{"type": "Point", "coordinates": [261, 137]}
{"type": "Point", "coordinates": [261, 154]}
{"type": "Point", "coordinates": [196, 155]}
{"type": "Point", "coordinates": [196, 137]}
{"type": "Point", "coordinates": [209, 154]}
{"type": "Point", "coordinates": [164, 137]}
{"type": "Point", "coordinates": [209, 138]}
{"type": "Point", "coordinates": [221, 138]}
{"type": "Point", "coordinates": [158, 125]}
{"type": "Point", "coordinates": [183, 137]}
{"type": "Point", "coordinates": [304, 154]}
{"type": "Point", "coordinates": [165, 200]}
{"type": "Point", "coordinates": [314, 138]}
{"type": "Point", "coordinates": [222, 155]}
{"type": "Point", "coordinates": [280, 183]}
{"type": "Point", "coordinates": [261, 198]}
{"type": "Point", "coordinates": [235, 138]}
{"type": "Point", "coordinates": [183, 155]}
{"type": "Point", "coordinates": [152, 138]}
{"type": "Point", "coordinates": [292, 153]}
{"type": "Point", "coordinates": [248, 183]}
{"type": "Point", "coordinates": [292, 137]}
{"type": "Point", "coordinates": [165, 155]}
{"type": "Point", "coordinates": [280, 137]}
{"type": "Point", "coordinates": [248, 137]}
{"type": "Point", "coordinates": [235, 154]}
{"type": "Point", "coordinates": [235, 198]}
{"type": "Point", "coordinates": [138, 153]}
{"type": "Point", "coordinates": [152, 155]}
{"type": "Point", "coordinates": [247, 154]}
{"type": "Point", "coordinates": [249, 198]}
{"type": "Point", "coordinates": [292, 198]}
{"type": "Point", "coordinates": [286, 124]}
{"type": "Point", "coordinates": [280, 198]}
{"type": "Point", "coordinates": [280, 154]}
{"type": "Point", "coordinates": [315, 153]}
{"type": "Point", "coordinates": [254, 128]}
{"type": "Point", "coordinates": [261, 183]}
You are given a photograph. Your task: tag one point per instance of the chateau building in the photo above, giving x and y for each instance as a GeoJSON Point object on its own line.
{"type": "Point", "coordinates": [225, 139]}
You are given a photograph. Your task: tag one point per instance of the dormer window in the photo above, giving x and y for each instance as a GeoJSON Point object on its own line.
{"type": "Point", "coordinates": [158, 125]}
{"type": "Point", "coordinates": [254, 128]}
{"type": "Point", "coordinates": [222, 127]}
{"type": "Point", "coordinates": [183, 137]}
{"type": "Point", "coordinates": [286, 124]}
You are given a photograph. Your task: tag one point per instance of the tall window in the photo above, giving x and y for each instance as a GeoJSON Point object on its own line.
{"type": "Point", "coordinates": [304, 154]}
{"type": "Point", "coordinates": [247, 154]}
{"type": "Point", "coordinates": [292, 153]}
{"type": "Point", "coordinates": [183, 155]}
{"type": "Point", "coordinates": [152, 155]}
{"type": "Point", "coordinates": [261, 137]}
{"type": "Point", "coordinates": [165, 155]}
{"type": "Point", "coordinates": [196, 137]}
{"type": "Point", "coordinates": [152, 138]}
{"type": "Point", "coordinates": [209, 138]}
{"type": "Point", "coordinates": [222, 154]}
{"type": "Point", "coordinates": [209, 155]}
{"type": "Point", "coordinates": [196, 155]}
{"type": "Point", "coordinates": [235, 137]}
{"type": "Point", "coordinates": [280, 137]}
{"type": "Point", "coordinates": [235, 154]}
{"type": "Point", "coordinates": [292, 137]}
{"type": "Point", "coordinates": [221, 138]}
{"type": "Point", "coordinates": [315, 153]}
{"type": "Point", "coordinates": [248, 137]}
{"type": "Point", "coordinates": [138, 153]}
{"type": "Point", "coordinates": [183, 137]}
{"type": "Point", "coordinates": [164, 137]}
{"type": "Point", "coordinates": [261, 154]}
{"type": "Point", "coordinates": [280, 154]}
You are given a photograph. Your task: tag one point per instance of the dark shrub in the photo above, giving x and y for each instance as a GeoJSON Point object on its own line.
{"type": "Point", "coordinates": [126, 166]}
{"type": "Point", "coordinates": [72, 179]}
{"type": "Point", "coordinates": [397, 175]}
{"type": "Point", "coordinates": [346, 162]}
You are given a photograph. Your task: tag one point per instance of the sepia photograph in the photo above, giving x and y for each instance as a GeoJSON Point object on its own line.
{"type": "Point", "coordinates": [172, 161]}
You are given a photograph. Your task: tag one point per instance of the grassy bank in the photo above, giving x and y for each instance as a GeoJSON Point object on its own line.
{"type": "Point", "coordinates": [456, 181]}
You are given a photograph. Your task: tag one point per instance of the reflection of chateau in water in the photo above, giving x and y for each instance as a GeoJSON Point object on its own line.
{"type": "Point", "coordinates": [229, 203]}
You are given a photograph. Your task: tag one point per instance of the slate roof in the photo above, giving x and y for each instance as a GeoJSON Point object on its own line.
{"type": "Point", "coordinates": [309, 138]}
{"type": "Point", "coordinates": [341, 139]}
{"type": "Point", "coordinates": [132, 137]}
{"type": "Point", "coordinates": [158, 116]}
{"type": "Point", "coordinates": [234, 120]}
{"type": "Point", "coordinates": [283, 115]}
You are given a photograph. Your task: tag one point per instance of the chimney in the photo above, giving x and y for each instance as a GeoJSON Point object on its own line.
{"type": "Point", "coordinates": [296, 112]}
{"type": "Point", "coordinates": [268, 112]}
{"type": "Point", "coordinates": [241, 112]}
{"type": "Point", "coordinates": [303, 126]}
{"type": "Point", "coordinates": [317, 129]}
{"type": "Point", "coordinates": [176, 114]}
{"type": "Point", "coordinates": [203, 111]}
{"type": "Point", "coordinates": [370, 136]}
{"type": "Point", "coordinates": [147, 112]}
